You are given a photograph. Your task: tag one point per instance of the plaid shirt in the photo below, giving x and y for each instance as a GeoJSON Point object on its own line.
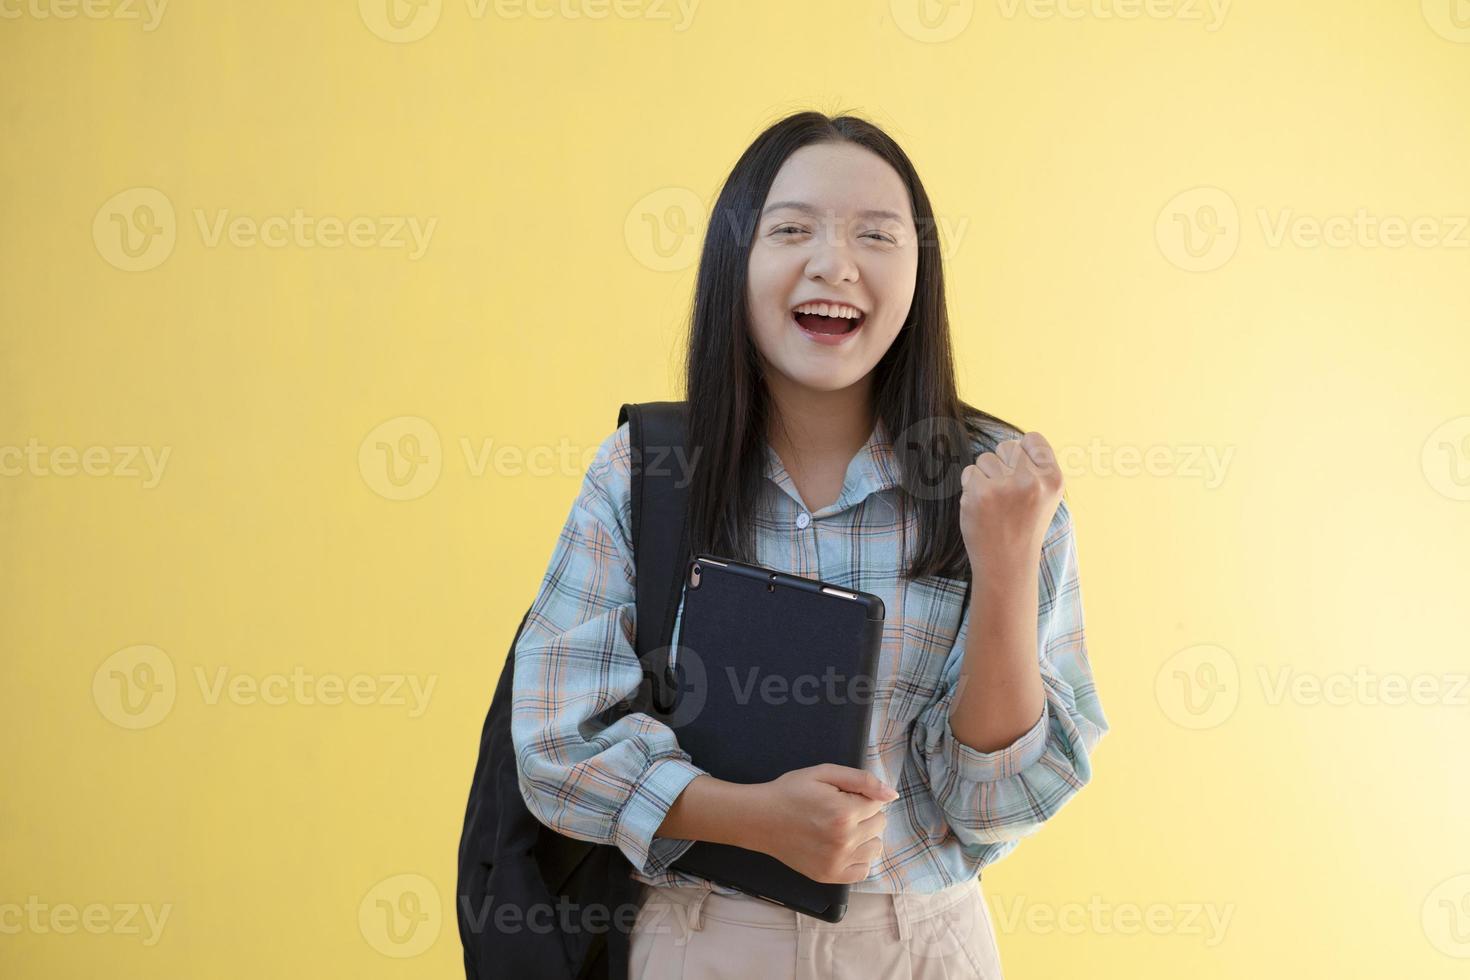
{"type": "Point", "coordinates": [958, 809]}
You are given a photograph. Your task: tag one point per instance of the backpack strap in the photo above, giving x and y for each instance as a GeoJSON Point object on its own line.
{"type": "Point", "coordinates": [658, 435]}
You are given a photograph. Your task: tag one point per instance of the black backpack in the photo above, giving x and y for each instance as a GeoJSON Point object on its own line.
{"type": "Point", "coordinates": [547, 881]}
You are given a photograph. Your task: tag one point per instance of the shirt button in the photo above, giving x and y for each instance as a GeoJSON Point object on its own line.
{"type": "Point", "coordinates": [803, 519]}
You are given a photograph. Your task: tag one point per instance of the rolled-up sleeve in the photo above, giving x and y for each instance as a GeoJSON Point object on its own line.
{"type": "Point", "coordinates": [584, 771]}
{"type": "Point", "coordinates": [995, 798]}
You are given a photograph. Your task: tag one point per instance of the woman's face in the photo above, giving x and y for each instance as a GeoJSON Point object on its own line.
{"type": "Point", "coordinates": [835, 226]}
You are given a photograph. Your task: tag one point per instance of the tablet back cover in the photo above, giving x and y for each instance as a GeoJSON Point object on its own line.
{"type": "Point", "coordinates": [775, 675]}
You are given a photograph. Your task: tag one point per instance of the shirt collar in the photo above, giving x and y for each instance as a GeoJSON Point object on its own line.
{"type": "Point", "coordinates": [874, 468]}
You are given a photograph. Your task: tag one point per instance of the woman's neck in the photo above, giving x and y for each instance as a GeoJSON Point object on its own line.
{"type": "Point", "coordinates": [817, 433]}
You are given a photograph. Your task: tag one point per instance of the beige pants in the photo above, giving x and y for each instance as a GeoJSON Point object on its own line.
{"type": "Point", "coordinates": [697, 935]}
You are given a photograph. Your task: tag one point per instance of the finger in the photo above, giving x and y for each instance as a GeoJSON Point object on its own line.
{"type": "Point", "coordinates": [868, 851]}
{"type": "Point", "coordinates": [871, 827]}
{"type": "Point", "coordinates": [1009, 451]}
{"type": "Point", "coordinates": [862, 863]}
{"type": "Point", "coordinates": [990, 465]}
{"type": "Point", "coordinates": [1040, 451]}
{"type": "Point", "coordinates": [861, 808]}
{"type": "Point", "coordinates": [851, 780]}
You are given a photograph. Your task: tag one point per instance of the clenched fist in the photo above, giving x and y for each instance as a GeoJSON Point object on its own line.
{"type": "Point", "coordinates": [825, 821]}
{"type": "Point", "coordinates": [1008, 499]}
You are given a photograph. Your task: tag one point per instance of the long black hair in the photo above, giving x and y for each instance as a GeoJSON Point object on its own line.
{"type": "Point", "coordinates": [935, 433]}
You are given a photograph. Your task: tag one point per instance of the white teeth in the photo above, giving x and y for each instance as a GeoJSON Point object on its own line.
{"type": "Point", "coordinates": [830, 309]}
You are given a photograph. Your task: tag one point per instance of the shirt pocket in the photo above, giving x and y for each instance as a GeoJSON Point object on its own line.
{"type": "Point", "coordinates": [913, 674]}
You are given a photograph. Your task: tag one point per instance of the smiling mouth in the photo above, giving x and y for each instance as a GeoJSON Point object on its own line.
{"type": "Point", "coordinates": [832, 325]}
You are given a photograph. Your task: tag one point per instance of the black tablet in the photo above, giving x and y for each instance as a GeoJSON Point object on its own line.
{"type": "Point", "coordinates": [776, 672]}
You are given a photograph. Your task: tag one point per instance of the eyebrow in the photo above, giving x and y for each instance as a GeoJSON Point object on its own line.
{"type": "Point", "coordinates": [806, 208]}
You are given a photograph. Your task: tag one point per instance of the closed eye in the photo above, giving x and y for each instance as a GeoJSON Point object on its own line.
{"type": "Point", "coordinates": [794, 230]}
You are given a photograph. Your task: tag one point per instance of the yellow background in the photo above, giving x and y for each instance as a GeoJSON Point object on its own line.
{"type": "Point", "coordinates": [1065, 155]}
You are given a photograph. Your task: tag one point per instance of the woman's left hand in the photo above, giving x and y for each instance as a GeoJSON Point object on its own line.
{"type": "Point", "coordinates": [1008, 499]}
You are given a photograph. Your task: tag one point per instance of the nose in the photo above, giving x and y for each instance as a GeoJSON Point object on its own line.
{"type": "Point", "coordinates": [832, 262]}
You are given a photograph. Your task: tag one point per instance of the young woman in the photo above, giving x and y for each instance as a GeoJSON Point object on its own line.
{"type": "Point", "coordinates": [833, 445]}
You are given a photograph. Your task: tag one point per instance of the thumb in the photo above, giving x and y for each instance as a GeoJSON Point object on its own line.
{"type": "Point", "coordinates": [856, 781]}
